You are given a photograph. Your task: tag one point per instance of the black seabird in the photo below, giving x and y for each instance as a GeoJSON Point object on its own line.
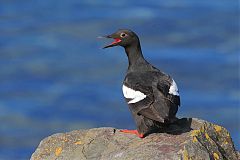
{"type": "Point", "coordinates": [152, 95]}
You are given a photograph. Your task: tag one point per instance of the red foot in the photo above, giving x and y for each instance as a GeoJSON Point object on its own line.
{"type": "Point", "coordinates": [132, 132]}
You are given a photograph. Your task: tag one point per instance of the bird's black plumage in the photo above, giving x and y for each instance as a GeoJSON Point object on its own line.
{"type": "Point", "coordinates": [152, 95]}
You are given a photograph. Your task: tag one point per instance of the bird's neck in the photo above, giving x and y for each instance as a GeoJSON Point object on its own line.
{"type": "Point", "coordinates": [135, 56]}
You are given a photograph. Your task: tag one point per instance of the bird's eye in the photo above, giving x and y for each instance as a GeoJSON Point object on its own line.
{"type": "Point", "coordinates": [123, 35]}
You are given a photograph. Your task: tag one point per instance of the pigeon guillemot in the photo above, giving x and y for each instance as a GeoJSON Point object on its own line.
{"type": "Point", "coordinates": [152, 96]}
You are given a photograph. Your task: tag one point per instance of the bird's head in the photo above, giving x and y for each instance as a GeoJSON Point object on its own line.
{"type": "Point", "coordinates": [123, 37]}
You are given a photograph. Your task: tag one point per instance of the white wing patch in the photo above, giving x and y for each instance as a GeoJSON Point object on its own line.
{"type": "Point", "coordinates": [173, 89]}
{"type": "Point", "coordinates": [129, 93]}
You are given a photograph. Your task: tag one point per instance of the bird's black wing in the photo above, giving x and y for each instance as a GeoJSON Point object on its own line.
{"type": "Point", "coordinates": [139, 82]}
{"type": "Point", "coordinates": [159, 104]}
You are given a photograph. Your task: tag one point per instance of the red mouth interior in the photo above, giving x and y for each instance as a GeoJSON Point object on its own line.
{"type": "Point", "coordinates": [116, 40]}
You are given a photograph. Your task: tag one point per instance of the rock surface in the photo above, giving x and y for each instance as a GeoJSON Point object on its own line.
{"type": "Point", "coordinates": [190, 139]}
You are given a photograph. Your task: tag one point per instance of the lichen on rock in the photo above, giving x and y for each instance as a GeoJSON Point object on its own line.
{"type": "Point", "coordinates": [190, 139]}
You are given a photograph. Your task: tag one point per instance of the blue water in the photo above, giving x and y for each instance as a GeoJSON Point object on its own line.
{"type": "Point", "coordinates": [55, 78]}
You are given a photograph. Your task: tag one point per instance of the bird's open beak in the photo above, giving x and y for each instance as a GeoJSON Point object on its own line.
{"type": "Point", "coordinates": [114, 43]}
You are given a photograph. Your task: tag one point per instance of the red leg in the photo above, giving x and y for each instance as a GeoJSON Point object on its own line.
{"type": "Point", "coordinates": [132, 132]}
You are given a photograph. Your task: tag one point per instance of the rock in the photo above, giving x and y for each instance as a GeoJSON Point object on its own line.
{"type": "Point", "coordinates": [189, 139]}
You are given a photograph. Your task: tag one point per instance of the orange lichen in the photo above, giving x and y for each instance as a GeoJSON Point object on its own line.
{"type": "Point", "coordinates": [207, 136]}
{"type": "Point", "coordinates": [217, 128]}
{"type": "Point", "coordinates": [58, 151]}
{"type": "Point", "coordinates": [228, 134]}
{"type": "Point", "coordinates": [195, 133]}
{"type": "Point", "coordinates": [194, 139]}
{"type": "Point", "coordinates": [202, 129]}
{"type": "Point", "coordinates": [185, 154]}
{"type": "Point", "coordinates": [78, 142]}
{"type": "Point", "coordinates": [215, 156]}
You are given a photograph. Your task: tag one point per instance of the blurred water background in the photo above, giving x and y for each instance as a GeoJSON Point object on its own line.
{"type": "Point", "coordinates": [55, 78]}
